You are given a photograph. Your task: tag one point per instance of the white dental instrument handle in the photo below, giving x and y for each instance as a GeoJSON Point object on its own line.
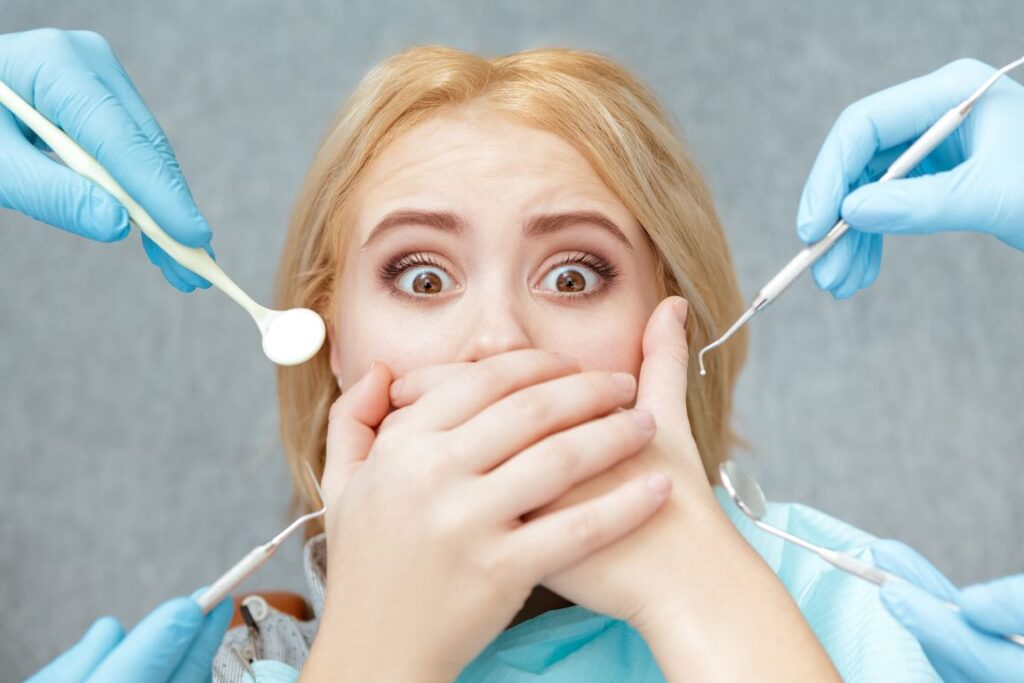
{"type": "Point", "coordinates": [852, 565]}
{"type": "Point", "coordinates": [80, 161]}
{"type": "Point", "coordinates": [233, 577]}
{"type": "Point", "coordinates": [910, 158]}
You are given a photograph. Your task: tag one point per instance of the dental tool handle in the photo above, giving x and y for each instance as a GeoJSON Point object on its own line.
{"type": "Point", "coordinates": [80, 161]}
{"type": "Point", "coordinates": [906, 162]}
{"type": "Point", "coordinates": [859, 568]}
{"type": "Point", "coordinates": [233, 577]}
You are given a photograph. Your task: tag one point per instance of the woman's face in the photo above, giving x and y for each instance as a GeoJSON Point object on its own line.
{"type": "Point", "coordinates": [476, 234]}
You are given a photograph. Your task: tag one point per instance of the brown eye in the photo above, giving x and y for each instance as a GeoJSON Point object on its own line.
{"type": "Point", "coordinates": [570, 281]}
{"type": "Point", "coordinates": [426, 283]}
{"type": "Point", "coordinates": [423, 281]}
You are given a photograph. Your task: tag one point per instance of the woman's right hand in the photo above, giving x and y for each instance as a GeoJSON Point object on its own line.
{"type": "Point", "coordinates": [427, 557]}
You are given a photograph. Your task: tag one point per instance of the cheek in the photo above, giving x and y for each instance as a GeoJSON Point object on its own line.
{"type": "Point", "coordinates": [366, 335]}
{"type": "Point", "coordinates": [617, 348]}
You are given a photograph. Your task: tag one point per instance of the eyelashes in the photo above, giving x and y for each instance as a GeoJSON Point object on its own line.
{"type": "Point", "coordinates": [398, 265]}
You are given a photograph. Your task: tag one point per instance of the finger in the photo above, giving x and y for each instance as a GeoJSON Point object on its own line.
{"type": "Point", "coordinates": [47, 191]}
{"type": "Point", "coordinates": [874, 261]}
{"type": "Point", "coordinates": [96, 118]}
{"type": "Point", "coordinates": [917, 206]}
{"type": "Point", "coordinates": [452, 403]}
{"type": "Point", "coordinates": [880, 121]}
{"type": "Point", "coordinates": [661, 387]}
{"type": "Point", "coordinates": [546, 470]}
{"type": "Point", "coordinates": [410, 387]}
{"type": "Point", "coordinates": [996, 606]}
{"type": "Point", "coordinates": [178, 275]}
{"type": "Point", "coordinates": [154, 649]}
{"type": "Point", "coordinates": [858, 269]}
{"type": "Point", "coordinates": [199, 658]}
{"type": "Point", "coordinates": [904, 561]}
{"type": "Point", "coordinates": [833, 267]}
{"type": "Point", "coordinates": [531, 414]}
{"type": "Point", "coordinates": [351, 424]}
{"type": "Point", "coordinates": [550, 543]}
{"type": "Point", "coordinates": [943, 634]}
{"type": "Point", "coordinates": [76, 664]}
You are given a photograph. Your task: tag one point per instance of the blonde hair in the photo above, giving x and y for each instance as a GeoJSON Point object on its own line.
{"type": "Point", "coordinates": [589, 101]}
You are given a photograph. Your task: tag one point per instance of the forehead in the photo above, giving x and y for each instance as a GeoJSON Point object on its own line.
{"type": "Point", "coordinates": [470, 156]}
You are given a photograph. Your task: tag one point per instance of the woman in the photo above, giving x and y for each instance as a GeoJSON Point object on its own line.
{"type": "Point", "coordinates": [513, 257]}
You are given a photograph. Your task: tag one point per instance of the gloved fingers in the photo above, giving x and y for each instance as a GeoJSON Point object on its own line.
{"type": "Point", "coordinates": [178, 275]}
{"type": "Point", "coordinates": [154, 649]}
{"type": "Point", "coordinates": [904, 561]}
{"type": "Point", "coordinates": [950, 644]}
{"type": "Point", "coordinates": [917, 206]}
{"type": "Point", "coordinates": [78, 662]}
{"type": "Point", "coordinates": [831, 269]}
{"type": "Point", "coordinates": [39, 187]}
{"type": "Point", "coordinates": [888, 118]}
{"type": "Point", "coordinates": [195, 668]}
{"type": "Point", "coordinates": [858, 268]}
{"type": "Point", "coordinates": [874, 261]}
{"type": "Point", "coordinates": [98, 56]}
{"type": "Point", "coordinates": [996, 606]}
{"type": "Point", "coordinates": [76, 98]}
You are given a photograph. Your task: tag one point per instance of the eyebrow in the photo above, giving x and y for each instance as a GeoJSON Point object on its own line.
{"type": "Point", "coordinates": [445, 221]}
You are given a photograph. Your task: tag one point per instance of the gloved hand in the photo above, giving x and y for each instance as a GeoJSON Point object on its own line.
{"type": "Point", "coordinates": [972, 181]}
{"type": "Point", "coordinates": [965, 646]}
{"type": "Point", "coordinates": [74, 80]}
{"type": "Point", "coordinates": [174, 642]}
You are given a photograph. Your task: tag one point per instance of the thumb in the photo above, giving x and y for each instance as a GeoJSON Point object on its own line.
{"type": "Point", "coordinates": [996, 606]}
{"type": "Point", "coordinates": [662, 383]}
{"type": "Point", "coordinates": [923, 205]}
{"type": "Point", "coordinates": [352, 422]}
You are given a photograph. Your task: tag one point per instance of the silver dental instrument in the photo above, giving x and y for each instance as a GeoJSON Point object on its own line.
{"type": "Point", "coordinates": [257, 557]}
{"type": "Point", "coordinates": [910, 158]}
{"type": "Point", "coordinates": [746, 493]}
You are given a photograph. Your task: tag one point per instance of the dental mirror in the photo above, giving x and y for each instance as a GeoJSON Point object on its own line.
{"type": "Point", "coordinates": [749, 498]}
{"type": "Point", "coordinates": [289, 337]}
{"type": "Point", "coordinates": [746, 493]}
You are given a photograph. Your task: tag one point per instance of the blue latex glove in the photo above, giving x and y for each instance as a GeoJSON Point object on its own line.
{"type": "Point", "coordinates": [74, 79]}
{"type": "Point", "coordinates": [962, 647]}
{"type": "Point", "coordinates": [972, 181]}
{"type": "Point", "coordinates": [174, 642]}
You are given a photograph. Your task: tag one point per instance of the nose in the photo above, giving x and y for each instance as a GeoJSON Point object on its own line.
{"type": "Point", "coordinates": [497, 326]}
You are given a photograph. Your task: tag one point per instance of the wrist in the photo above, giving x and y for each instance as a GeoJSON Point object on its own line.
{"type": "Point", "coordinates": [345, 651]}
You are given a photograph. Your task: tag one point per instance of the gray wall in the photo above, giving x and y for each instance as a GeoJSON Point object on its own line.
{"type": "Point", "coordinates": [139, 459]}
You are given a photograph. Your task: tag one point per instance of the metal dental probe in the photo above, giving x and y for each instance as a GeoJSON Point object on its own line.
{"type": "Point", "coordinates": [914, 155]}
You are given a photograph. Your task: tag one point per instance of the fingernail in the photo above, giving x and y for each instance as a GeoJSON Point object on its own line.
{"type": "Point", "coordinates": [625, 381]}
{"type": "Point", "coordinates": [396, 388]}
{"type": "Point", "coordinates": [680, 307]}
{"type": "Point", "coordinates": [658, 484]}
{"type": "Point", "coordinates": [643, 418]}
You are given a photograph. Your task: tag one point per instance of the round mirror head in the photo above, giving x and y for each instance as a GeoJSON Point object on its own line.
{"type": "Point", "coordinates": [743, 490]}
{"type": "Point", "coordinates": [294, 336]}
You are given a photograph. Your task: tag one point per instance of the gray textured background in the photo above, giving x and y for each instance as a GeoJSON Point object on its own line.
{"type": "Point", "coordinates": [138, 457]}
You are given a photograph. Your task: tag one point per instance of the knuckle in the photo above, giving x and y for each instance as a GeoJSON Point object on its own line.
{"type": "Point", "coordinates": [560, 457]}
{"type": "Point", "coordinates": [528, 405]}
{"type": "Point", "coordinates": [584, 527]}
{"type": "Point", "coordinates": [484, 373]}
{"type": "Point", "coordinates": [53, 38]}
{"type": "Point", "coordinates": [93, 39]}
{"type": "Point", "coordinates": [970, 67]}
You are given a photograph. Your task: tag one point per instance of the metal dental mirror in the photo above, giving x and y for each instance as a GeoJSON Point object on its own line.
{"type": "Point", "coordinates": [749, 498]}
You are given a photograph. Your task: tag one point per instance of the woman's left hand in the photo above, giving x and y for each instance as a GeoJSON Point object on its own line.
{"type": "Point", "coordinates": [625, 578]}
